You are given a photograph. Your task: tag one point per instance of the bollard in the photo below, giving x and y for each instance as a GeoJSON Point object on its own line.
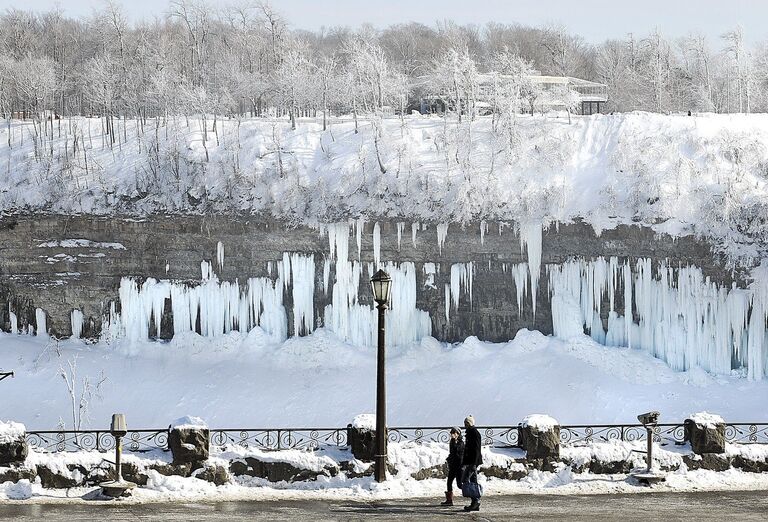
{"type": "Point", "coordinates": [647, 476]}
{"type": "Point", "coordinates": [118, 487]}
{"type": "Point", "coordinates": [118, 430]}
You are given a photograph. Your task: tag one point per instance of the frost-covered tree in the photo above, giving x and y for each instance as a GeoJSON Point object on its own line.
{"type": "Point", "coordinates": [739, 70]}
{"type": "Point", "coordinates": [456, 79]}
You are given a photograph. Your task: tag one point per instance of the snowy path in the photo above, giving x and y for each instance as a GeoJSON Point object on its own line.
{"type": "Point", "coordinates": [715, 506]}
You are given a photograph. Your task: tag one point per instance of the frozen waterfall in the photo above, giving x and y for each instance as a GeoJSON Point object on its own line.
{"type": "Point", "coordinates": [675, 314]}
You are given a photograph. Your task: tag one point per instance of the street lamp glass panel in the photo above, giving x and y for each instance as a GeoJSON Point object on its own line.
{"type": "Point", "coordinates": [381, 284]}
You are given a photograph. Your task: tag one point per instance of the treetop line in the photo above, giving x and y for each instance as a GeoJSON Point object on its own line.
{"type": "Point", "coordinates": [248, 61]}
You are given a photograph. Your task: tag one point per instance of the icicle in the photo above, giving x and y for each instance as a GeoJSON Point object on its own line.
{"type": "Point", "coordinates": [220, 254]}
{"type": "Point", "coordinates": [76, 320]}
{"type": "Point", "coordinates": [447, 303]}
{"type": "Point", "coordinates": [377, 245]}
{"type": "Point", "coordinates": [40, 322]}
{"type": "Point", "coordinates": [520, 275]}
{"type": "Point", "coordinates": [627, 305]}
{"type": "Point", "coordinates": [683, 318]}
{"type": "Point", "coordinates": [400, 228]}
{"type": "Point", "coordinates": [359, 235]}
{"type": "Point", "coordinates": [442, 233]}
{"type": "Point", "coordinates": [530, 239]}
{"type": "Point", "coordinates": [414, 229]}
{"type": "Point", "coordinates": [167, 267]}
{"type": "Point", "coordinates": [303, 291]}
{"type": "Point", "coordinates": [14, 321]}
{"type": "Point", "coordinates": [206, 270]}
{"type": "Point", "coordinates": [326, 274]}
{"type": "Point", "coordinates": [284, 271]}
{"type": "Point", "coordinates": [461, 279]}
{"type": "Point", "coordinates": [483, 230]}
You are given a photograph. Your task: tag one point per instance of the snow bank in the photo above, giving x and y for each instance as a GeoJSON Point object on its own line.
{"type": "Point", "coordinates": [320, 380]}
{"type": "Point", "coordinates": [540, 422]}
{"type": "Point", "coordinates": [188, 422]}
{"type": "Point", "coordinates": [11, 431]}
{"type": "Point", "coordinates": [709, 420]}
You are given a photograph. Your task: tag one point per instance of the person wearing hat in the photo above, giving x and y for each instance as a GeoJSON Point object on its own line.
{"type": "Point", "coordinates": [472, 458]}
{"type": "Point", "coordinates": [455, 456]}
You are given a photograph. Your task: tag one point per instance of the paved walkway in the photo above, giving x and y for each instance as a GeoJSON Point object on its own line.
{"type": "Point", "coordinates": [741, 506]}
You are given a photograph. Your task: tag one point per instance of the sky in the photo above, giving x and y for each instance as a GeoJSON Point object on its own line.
{"type": "Point", "coordinates": [595, 20]}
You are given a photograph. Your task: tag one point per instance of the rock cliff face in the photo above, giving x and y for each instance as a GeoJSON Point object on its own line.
{"type": "Point", "coordinates": [61, 264]}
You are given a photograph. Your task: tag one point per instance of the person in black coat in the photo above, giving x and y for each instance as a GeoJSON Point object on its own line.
{"type": "Point", "coordinates": [454, 461]}
{"type": "Point", "coordinates": [473, 457]}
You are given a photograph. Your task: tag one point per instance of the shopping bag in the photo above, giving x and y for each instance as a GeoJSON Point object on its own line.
{"type": "Point", "coordinates": [471, 489]}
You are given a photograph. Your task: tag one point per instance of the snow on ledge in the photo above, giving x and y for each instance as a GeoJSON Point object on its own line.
{"type": "Point", "coordinates": [80, 243]}
{"type": "Point", "coordinates": [364, 421]}
{"type": "Point", "coordinates": [540, 422]}
{"type": "Point", "coordinates": [708, 420]}
{"type": "Point", "coordinates": [11, 431]}
{"type": "Point", "coordinates": [188, 422]}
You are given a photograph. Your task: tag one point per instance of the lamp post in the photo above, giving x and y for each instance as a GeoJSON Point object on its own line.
{"type": "Point", "coordinates": [381, 284]}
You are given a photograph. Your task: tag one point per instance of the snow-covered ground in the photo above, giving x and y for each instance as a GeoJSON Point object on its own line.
{"type": "Point", "coordinates": [252, 381]}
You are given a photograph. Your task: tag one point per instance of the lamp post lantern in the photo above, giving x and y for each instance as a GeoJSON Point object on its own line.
{"type": "Point", "coordinates": [381, 284]}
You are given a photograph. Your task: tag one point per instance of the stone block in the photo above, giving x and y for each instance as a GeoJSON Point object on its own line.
{"type": "Point", "coordinates": [749, 465]}
{"type": "Point", "coordinates": [17, 473]}
{"type": "Point", "coordinates": [62, 478]}
{"type": "Point", "coordinates": [705, 438]}
{"type": "Point", "coordinates": [540, 443]}
{"type": "Point", "coordinates": [135, 474]}
{"type": "Point", "coordinates": [14, 451]}
{"type": "Point", "coordinates": [710, 461]}
{"type": "Point", "coordinates": [277, 471]}
{"type": "Point", "coordinates": [362, 442]}
{"type": "Point", "coordinates": [189, 445]}
{"type": "Point", "coordinates": [439, 471]}
{"type": "Point", "coordinates": [514, 472]}
{"type": "Point", "coordinates": [213, 473]}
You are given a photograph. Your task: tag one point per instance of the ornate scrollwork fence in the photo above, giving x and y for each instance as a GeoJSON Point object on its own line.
{"type": "Point", "coordinates": [497, 436]}
{"type": "Point", "coordinates": [277, 438]}
{"type": "Point", "coordinates": [314, 438]}
{"type": "Point", "coordinates": [96, 440]}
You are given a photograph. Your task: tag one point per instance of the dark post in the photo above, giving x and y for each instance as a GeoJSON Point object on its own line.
{"type": "Point", "coordinates": [381, 402]}
{"type": "Point", "coordinates": [381, 284]}
{"type": "Point", "coordinates": [118, 458]}
{"type": "Point", "coordinates": [649, 457]}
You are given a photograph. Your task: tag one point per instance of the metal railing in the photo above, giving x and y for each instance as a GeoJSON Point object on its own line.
{"type": "Point", "coordinates": [272, 439]}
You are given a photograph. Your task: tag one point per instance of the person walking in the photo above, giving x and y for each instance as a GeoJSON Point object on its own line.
{"type": "Point", "coordinates": [472, 459]}
{"type": "Point", "coordinates": [454, 461]}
